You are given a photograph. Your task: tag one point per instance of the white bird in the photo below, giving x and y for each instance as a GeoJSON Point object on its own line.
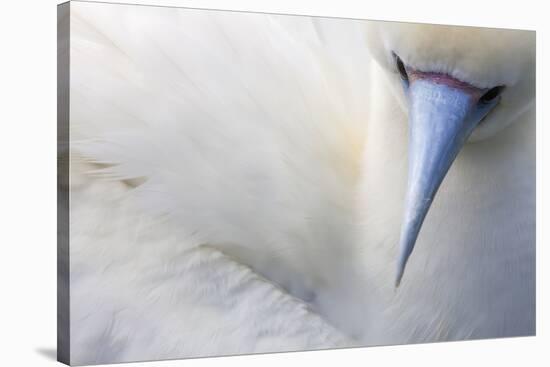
{"type": "Point", "coordinates": [246, 183]}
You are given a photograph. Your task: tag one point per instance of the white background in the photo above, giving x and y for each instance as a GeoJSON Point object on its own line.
{"type": "Point", "coordinates": [28, 176]}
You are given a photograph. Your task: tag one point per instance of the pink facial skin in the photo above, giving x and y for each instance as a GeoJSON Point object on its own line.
{"type": "Point", "coordinates": [447, 80]}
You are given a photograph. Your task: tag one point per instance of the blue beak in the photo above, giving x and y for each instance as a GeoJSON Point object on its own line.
{"type": "Point", "coordinates": [441, 118]}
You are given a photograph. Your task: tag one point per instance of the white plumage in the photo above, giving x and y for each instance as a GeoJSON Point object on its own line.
{"type": "Point", "coordinates": [238, 183]}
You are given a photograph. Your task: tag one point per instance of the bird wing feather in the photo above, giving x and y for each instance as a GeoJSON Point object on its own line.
{"type": "Point", "coordinates": [198, 131]}
{"type": "Point", "coordinates": [139, 294]}
{"type": "Point", "coordinates": [244, 130]}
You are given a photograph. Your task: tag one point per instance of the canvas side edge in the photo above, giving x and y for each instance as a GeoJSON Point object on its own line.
{"type": "Point", "coordinates": [63, 165]}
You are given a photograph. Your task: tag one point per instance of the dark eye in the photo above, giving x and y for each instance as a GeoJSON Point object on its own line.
{"type": "Point", "coordinates": [401, 68]}
{"type": "Point", "coordinates": [491, 94]}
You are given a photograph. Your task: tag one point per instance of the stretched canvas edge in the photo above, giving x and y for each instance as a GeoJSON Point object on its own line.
{"type": "Point", "coordinates": [63, 166]}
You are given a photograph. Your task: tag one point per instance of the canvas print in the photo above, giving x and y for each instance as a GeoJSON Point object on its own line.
{"type": "Point", "coordinates": [234, 183]}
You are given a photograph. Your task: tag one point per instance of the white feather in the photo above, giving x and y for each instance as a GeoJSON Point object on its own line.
{"type": "Point", "coordinates": [277, 141]}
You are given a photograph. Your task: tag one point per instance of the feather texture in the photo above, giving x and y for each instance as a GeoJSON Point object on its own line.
{"type": "Point", "coordinates": [237, 187]}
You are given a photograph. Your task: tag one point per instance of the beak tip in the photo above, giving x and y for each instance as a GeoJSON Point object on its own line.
{"type": "Point", "coordinates": [403, 258]}
{"type": "Point", "coordinates": [398, 278]}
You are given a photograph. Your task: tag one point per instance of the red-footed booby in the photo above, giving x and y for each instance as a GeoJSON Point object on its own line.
{"type": "Point", "coordinates": [248, 182]}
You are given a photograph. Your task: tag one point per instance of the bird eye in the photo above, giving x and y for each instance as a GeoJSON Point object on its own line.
{"type": "Point", "coordinates": [401, 68]}
{"type": "Point", "coordinates": [491, 94]}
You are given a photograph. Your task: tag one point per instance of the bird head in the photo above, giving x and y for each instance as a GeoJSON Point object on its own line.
{"type": "Point", "coordinates": [457, 84]}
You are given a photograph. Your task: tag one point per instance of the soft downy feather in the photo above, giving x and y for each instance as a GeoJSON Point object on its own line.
{"type": "Point", "coordinates": [211, 121]}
